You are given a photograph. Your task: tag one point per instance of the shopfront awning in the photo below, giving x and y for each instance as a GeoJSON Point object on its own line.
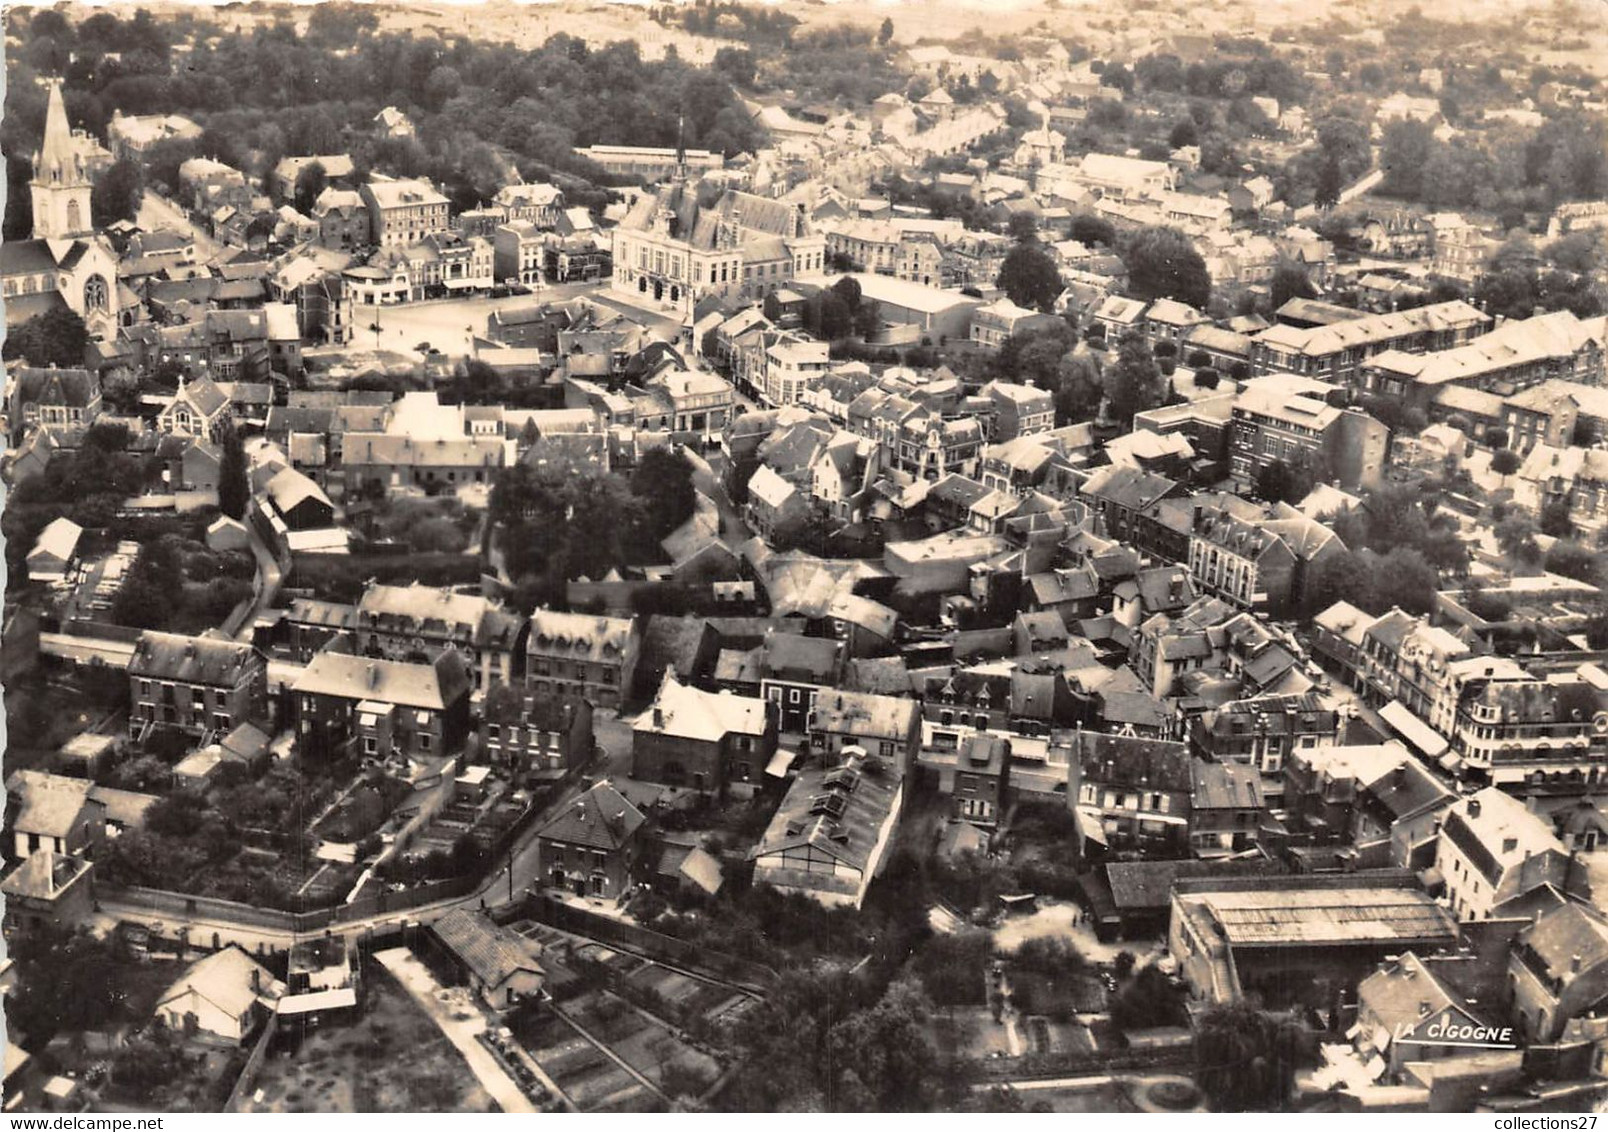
{"type": "Point", "coordinates": [1420, 734]}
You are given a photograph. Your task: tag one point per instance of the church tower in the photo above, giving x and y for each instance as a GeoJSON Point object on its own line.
{"type": "Point", "coordinates": [60, 184]}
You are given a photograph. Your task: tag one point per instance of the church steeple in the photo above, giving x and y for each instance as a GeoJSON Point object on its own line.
{"type": "Point", "coordinates": [61, 183]}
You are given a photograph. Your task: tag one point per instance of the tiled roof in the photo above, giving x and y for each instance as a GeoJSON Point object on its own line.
{"type": "Point", "coordinates": [601, 818]}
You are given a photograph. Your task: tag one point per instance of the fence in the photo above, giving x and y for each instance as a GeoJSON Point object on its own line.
{"type": "Point", "coordinates": [655, 945]}
{"type": "Point", "coordinates": [248, 1072]}
{"type": "Point", "coordinates": [182, 906]}
{"type": "Point", "coordinates": [1079, 1064]}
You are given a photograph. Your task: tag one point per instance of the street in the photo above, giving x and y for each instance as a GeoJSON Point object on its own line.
{"type": "Point", "coordinates": [157, 212]}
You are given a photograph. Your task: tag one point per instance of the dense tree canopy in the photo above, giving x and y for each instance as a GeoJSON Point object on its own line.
{"type": "Point", "coordinates": [1029, 277]}
{"type": "Point", "coordinates": [1163, 264]}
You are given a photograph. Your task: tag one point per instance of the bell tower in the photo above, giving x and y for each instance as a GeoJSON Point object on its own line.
{"type": "Point", "coordinates": [60, 185]}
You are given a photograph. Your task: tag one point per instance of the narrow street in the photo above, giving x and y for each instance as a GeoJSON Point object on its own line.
{"type": "Point", "coordinates": [157, 212]}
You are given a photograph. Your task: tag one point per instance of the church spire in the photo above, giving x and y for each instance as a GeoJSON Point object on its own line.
{"type": "Point", "coordinates": [59, 161]}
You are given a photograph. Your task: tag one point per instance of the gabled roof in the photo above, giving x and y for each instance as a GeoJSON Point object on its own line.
{"type": "Point", "coordinates": [601, 818]}
{"type": "Point", "coordinates": [216, 661]}
{"type": "Point", "coordinates": [491, 953]}
{"type": "Point", "coordinates": [43, 876]}
{"type": "Point", "coordinates": [229, 979]}
{"type": "Point", "coordinates": [431, 687]}
{"type": "Point", "coordinates": [692, 713]}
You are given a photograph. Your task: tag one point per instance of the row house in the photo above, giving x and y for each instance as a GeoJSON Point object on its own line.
{"type": "Point", "coordinates": [787, 671]}
{"type": "Point", "coordinates": [1270, 425]}
{"type": "Point", "coordinates": [1512, 358]}
{"type": "Point", "coordinates": [198, 685]}
{"type": "Point", "coordinates": [416, 622]}
{"type": "Point", "coordinates": [1018, 702]}
{"type": "Point", "coordinates": [1135, 794]}
{"type": "Point", "coordinates": [1576, 478]}
{"type": "Point", "coordinates": [996, 323]}
{"type": "Point", "coordinates": [1018, 410]}
{"type": "Point", "coordinates": [975, 775]}
{"type": "Point", "coordinates": [1255, 562]}
{"type": "Point", "coordinates": [343, 220]}
{"type": "Point", "coordinates": [1509, 731]}
{"type": "Point", "coordinates": [1226, 808]}
{"type": "Point", "coordinates": [1167, 647]}
{"type": "Point", "coordinates": [1123, 496]}
{"type": "Point", "coordinates": [381, 461]}
{"type": "Point", "coordinates": [403, 212]}
{"type": "Point", "coordinates": [1265, 732]}
{"type": "Point", "coordinates": [535, 204]}
{"type": "Point", "coordinates": [543, 737]}
{"type": "Point", "coordinates": [380, 709]}
{"type": "Point", "coordinates": [930, 447]}
{"type": "Point", "coordinates": [888, 727]}
{"type": "Point", "coordinates": [1340, 352]}
{"type": "Point", "coordinates": [517, 250]}
{"type": "Point", "coordinates": [577, 654]}
{"type": "Point", "coordinates": [794, 364]}
{"type": "Point", "coordinates": [1492, 849]}
{"type": "Point", "coordinates": [1380, 799]}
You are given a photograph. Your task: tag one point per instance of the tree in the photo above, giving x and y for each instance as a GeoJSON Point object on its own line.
{"type": "Point", "coordinates": [1504, 462]}
{"type": "Point", "coordinates": [1163, 264]}
{"type": "Point", "coordinates": [116, 195]}
{"type": "Point", "coordinates": [1515, 534]}
{"type": "Point", "coordinates": [1246, 1058]}
{"type": "Point", "coordinates": [1330, 182]}
{"type": "Point", "coordinates": [1022, 227]}
{"type": "Point", "coordinates": [1030, 278]}
{"type": "Point", "coordinates": [1133, 383]}
{"type": "Point", "coordinates": [1555, 520]}
{"type": "Point", "coordinates": [310, 184]}
{"type": "Point", "coordinates": [56, 338]}
{"type": "Point", "coordinates": [1148, 1001]}
{"type": "Point", "coordinates": [1185, 133]}
{"type": "Point", "coordinates": [885, 33]}
{"type": "Point", "coordinates": [663, 481]}
{"type": "Point", "coordinates": [1078, 389]}
{"type": "Point", "coordinates": [1093, 230]}
{"type": "Point", "coordinates": [1290, 281]}
{"type": "Point", "coordinates": [234, 490]}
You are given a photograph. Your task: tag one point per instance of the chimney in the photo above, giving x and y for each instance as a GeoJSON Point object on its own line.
{"type": "Point", "coordinates": [1401, 774]}
{"type": "Point", "coordinates": [658, 718]}
{"type": "Point", "coordinates": [1473, 807]}
{"type": "Point", "coordinates": [1574, 964]}
{"type": "Point", "coordinates": [373, 675]}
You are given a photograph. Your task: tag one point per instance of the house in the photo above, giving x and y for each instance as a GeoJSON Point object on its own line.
{"type": "Point", "coordinates": [48, 890]}
{"type": "Point", "coordinates": [1492, 849]}
{"type": "Point", "coordinates": [1019, 410]}
{"type": "Point", "coordinates": [496, 962]}
{"type": "Point", "coordinates": [705, 741]}
{"type": "Point", "coordinates": [403, 212]}
{"type": "Point", "coordinates": [393, 123]}
{"type": "Point", "coordinates": [198, 685]}
{"type": "Point", "coordinates": [774, 504]}
{"type": "Point", "coordinates": [1255, 562]}
{"type": "Point", "coordinates": [975, 775]}
{"type": "Point", "coordinates": [414, 622]}
{"type": "Point", "coordinates": [886, 726]}
{"type": "Point", "coordinates": [223, 996]}
{"type": "Point", "coordinates": [1298, 939]}
{"type": "Point", "coordinates": [992, 325]}
{"type": "Point", "coordinates": [1226, 808]}
{"type": "Point", "coordinates": [52, 813]}
{"type": "Point", "coordinates": [1270, 424]}
{"type": "Point", "coordinates": [1131, 793]}
{"type": "Point", "coordinates": [60, 398]}
{"type": "Point", "coordinates": [591, 846]}
{"type": "Point", "coordinates": [829, 837]}
{"type": "Point", "coordinates": [382, 708]}
{"type": "Point", "coordinates": [130, 135]}
{"type": "Point", "coordinates": [1405, 1012]}
{"type": "Point", "coordinates": [1263, 732]}
{"type": "Point", "coordinates": [789, 670]}
{"type": "Point", "coordinates": [1338, 351]}
{"type": "Point", "coordinates": [54, 551]}
{"type": "Point", "coordinates": [579, 654]}
{"type": "Point", "coordinates": [1558, 971]}
{"type": "Point", "coordinates": [539, 736]}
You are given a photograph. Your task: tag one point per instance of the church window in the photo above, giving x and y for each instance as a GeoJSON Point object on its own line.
{"type": "Point", "coordinates": [74, 217]}
{"type": "Point", "coordinates": [96, 296]}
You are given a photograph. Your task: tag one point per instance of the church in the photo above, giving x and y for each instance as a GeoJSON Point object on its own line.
{"type": "Point", "coordinates": [65, 263]}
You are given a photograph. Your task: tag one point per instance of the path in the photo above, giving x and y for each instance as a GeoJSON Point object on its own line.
{"type": "Point", "coordinates": [266, 583]}
{"type": "Point", "coordinates": [444, 1006]}
{"type": "Point", "coordinates": [157, 211]}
